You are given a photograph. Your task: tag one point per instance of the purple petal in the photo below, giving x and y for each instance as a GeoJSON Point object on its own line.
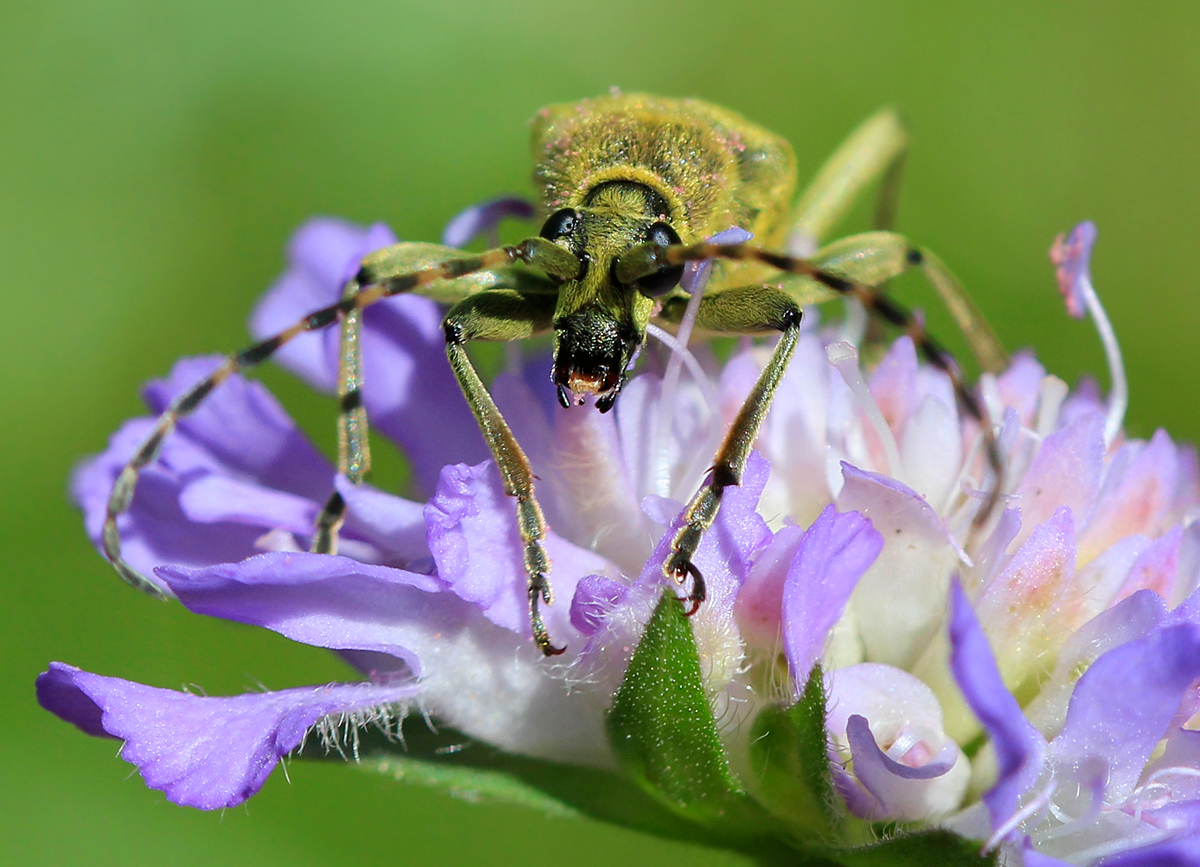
{"type": "Point", "coordinates": [834, 553]}
{"type": "Point", "coordinates": [473, 536]}
{"type": "Point", "coordinates": [1084, 399]}
{"type": "Point", "coordinates": [920, 776]}
{"type": "Point", "coordinates": [236, 468]}
{"type": "Point", "coordinates": [595, 596]}
{"type": "Point", "coordinates": [482, 219]}
{"type": "Point", "coordinates": [696, 273]}
{"type": "Point", "coordinates": [411, 394]}
{"type": "Point", "coordinates": [1072, 256]}
{"type": "Point", "coordinates": [317, 599]}
{"type": "Point", "coordinates": [1108, 720]}
{"type": "Point", "coordinates": [204, 752]}
{"type": "Point", "coordinates": [322, 256]}
{"type": "Point", "coordinates": [239, 429]}
{"type": "Point", "coordinates": [867, 753]}
{"type": "Point", "coordinates": [393, 524]}
{"type": "Point", "coordinates": [486, 681]}
{"type": "Point", "coordinates": [408, 380]}
{"type": "Point", "coordinates": [900, 790]}
{"type": "Point", "coordinates": [723, 558]}
{"type": "Point", "coordinates": [1020, 749]}
{"type": "Point", "coordinates": [215, 499]}
{"type": "Point", "coordinates": [597, 506]}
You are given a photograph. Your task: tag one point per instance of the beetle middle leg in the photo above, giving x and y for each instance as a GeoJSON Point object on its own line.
{"type": "Point", "coordinates": [354, 452]}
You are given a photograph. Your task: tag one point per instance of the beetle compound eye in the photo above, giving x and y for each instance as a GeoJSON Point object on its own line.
{"type": "Point", "coordinates": [560, 224]}
{"type": "Point", "coordinates": [663, 280]}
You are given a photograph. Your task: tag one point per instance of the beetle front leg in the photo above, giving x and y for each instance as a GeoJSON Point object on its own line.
{"type": "Point", "coordinates": [507, 315]}
{"type": "Point", "coordinates": [744, 310]}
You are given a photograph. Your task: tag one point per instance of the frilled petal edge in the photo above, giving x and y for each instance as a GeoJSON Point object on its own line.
{"type": "Point", "coordinates": [201, 751]}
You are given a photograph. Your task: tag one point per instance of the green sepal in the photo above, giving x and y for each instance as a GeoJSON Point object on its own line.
{"type": "Point", "coordinates": [661, 726]}
{"type": "Point", "coordinates": [663, 733]}
{"type": "Point", "coordinates": [789, 754]}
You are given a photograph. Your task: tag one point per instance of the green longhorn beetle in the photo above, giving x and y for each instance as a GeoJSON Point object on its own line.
{"type": "Point", "coordinates": [631, 187]}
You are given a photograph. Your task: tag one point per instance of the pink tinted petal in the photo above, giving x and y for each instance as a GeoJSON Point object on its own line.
{"type": "Point", "coordinates": [1072, 256]}
{"type": "Point", "coordinates": [833, 554]}
{"type": "Point", "coordinates": [1135, 496]}
{"type": "Point", "coordinates": [1133, 618]}
{"type": "Point", "coordinates": [759, 606]}
{"type": "Point", "coordinates": [1156, 567]}
{"type": "Point", "coordinates": [1020, 749]}
{"type": "Point", "coordinates": [1016, 603]}
{"type": "Point", "coordinates": [1065, 472]}
{"type": "Point", "coordinates": [1020, 386]}
{"type": "Point", "coordinates": [1108, 720]}
{"type": "Point", "coordinates": [1187, 487]}
{"type": "Point", "coordinates": [793, 436]}
{"type": "Point", "coordinates": [482, 219]}
{"type": "Point", "coordinates": [893, 384]}
{"type": "Point", "coordinates": [204, 752]}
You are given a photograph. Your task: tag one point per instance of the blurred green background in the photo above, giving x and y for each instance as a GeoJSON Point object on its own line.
{"type": "Point", "coordinates": [154, 158]}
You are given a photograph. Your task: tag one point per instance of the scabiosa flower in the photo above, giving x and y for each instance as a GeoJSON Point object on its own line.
{"type": "Point", "coordinates": [874, 677]}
